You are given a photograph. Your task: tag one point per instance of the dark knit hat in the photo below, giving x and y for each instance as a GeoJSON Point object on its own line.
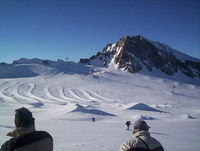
{"type": "Point", "coordinates": [24, 117]}
{"type": "Point", "coordinates": [140, 125]}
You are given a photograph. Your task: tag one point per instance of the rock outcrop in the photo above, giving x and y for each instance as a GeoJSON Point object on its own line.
{"type": "Point", "coordinates": [135, 54]}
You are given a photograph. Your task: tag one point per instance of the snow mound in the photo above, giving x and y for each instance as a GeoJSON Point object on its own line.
{"type": "Point", "coordinates": [143, 117]}
{"type": "Point", "coordinates": [90, 110]}
{"type": "Point", "coordinates": [142, 106]}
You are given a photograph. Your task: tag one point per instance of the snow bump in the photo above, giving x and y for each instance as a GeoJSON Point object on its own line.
{"type": "Point", "coordinates": [144, 107]}
{"type": "Point", "coordinates": [90, 110]}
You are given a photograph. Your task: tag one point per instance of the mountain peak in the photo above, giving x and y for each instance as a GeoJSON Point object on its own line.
{"type": "Point", "coordinates": [139, 54]}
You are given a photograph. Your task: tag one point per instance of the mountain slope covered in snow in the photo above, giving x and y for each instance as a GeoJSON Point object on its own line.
{"type": "Point", "coordinates": [37, 67]}
{"type": "Point", "coordinates": [65, 104]}
{"type": "Point", "coordinates": [139, 54]}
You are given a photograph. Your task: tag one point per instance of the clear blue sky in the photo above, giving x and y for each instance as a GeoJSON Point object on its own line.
{"type": "Point", "coordinates": [51, 29]}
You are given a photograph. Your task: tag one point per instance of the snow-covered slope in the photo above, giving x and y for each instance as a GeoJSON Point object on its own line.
{"type": "Point", "coordinates": [34, 67]}
{"type": "Point", "coordinates": [65, 104]}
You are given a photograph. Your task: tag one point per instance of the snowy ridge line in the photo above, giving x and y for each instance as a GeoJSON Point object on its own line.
{"type": "Point", "coordinates": [3, 84]}
{"type": "Point", "coordinates": [27, 95]}
{"type": "Point", "coordinates": [99, 96]}
{"type": "Point", "coordinates": [47, 100]}
{"type": "Point", "coordinates": [10, 93]}
{"type": "Point", "coordinates": [63, 96]}
{"type": "Point", "coordinates": [66, 93]}
{"type": "Point", "coordinates": [4, 88]}
{"type": "Point", "coordinates": [24, 92]}
{"type": "Point", "coordinates": [75, 95]}
{"type": "Point", "coordinates": [95, 96]}
{"type": "Point", "coordinates": [27, 99]}
{"type": "Point", "coordinates": [49, 95]}
{"type": "Point", "coordinates": [88, 95]}
{"type": "Point", "coordinates": [31, 95]}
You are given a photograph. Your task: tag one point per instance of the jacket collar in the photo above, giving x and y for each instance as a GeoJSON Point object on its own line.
{"type": "Point", "coordinates": [144, 133]}
{"type": "Point", "coordinates": [21, 131]}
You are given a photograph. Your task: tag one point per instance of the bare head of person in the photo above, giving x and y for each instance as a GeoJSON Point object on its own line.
{"type": "Point", "coordinates": [23, 118]}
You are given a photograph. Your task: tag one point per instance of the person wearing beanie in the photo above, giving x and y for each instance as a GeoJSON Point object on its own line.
{"type": "Point", "coordinates": [141, 139]}
{"type": "Point", "coordinates": [25, 137]}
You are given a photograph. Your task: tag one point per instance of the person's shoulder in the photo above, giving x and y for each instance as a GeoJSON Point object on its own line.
{"type": "Point", "coordinates": [31, 138]}
{"type": "Point", "coordinates": [42, 134]}
{"type": "Point", "coordinates": [126, 146]}
{"type": "Point", "coordinates": [155, 140]}
{"type": "Point", "coordinates": [8, 145]}
{"type": "Point", "coordinates": [158, 145]}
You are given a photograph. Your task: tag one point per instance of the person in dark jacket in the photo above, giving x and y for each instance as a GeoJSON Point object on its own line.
{"type": "Point", "coordinates": [25, 137]}
{"type": "Point", "coordinates": [128, 123]}
{"type": "Point", "coordinates": [141, 139]}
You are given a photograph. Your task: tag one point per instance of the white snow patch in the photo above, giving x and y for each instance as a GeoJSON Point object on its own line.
{"type": "Point", "coordinates": [166, 48]}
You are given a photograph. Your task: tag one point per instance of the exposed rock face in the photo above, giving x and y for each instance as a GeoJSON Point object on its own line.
{"type": "Point", "coordinates": [137, 53]}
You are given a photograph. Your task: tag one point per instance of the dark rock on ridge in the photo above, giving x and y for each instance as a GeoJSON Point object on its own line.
{"type": "Point", "coordinates": [136, 53]}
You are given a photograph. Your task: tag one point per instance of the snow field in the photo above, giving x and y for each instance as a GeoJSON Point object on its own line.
{"type": "Point", "coordinates": [65, 104]}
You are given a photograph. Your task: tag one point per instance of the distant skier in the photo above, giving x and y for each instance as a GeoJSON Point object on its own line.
{"type": "Point", "coordinates": [173, 89]}
{"type": "Point", "coordinates": [141, 139]}
{"type": "Point", "coordinates": [93, 119]}
{"type": "Point", "coordinates": [25, 137]}
{"type": "Point", "coordinates": [128, 123]}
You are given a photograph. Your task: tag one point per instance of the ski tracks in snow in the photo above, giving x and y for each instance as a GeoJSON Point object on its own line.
{"type": "Point", "coordinates": [49, 94]}
{"type": "Point", "coordinates": [4, 87]}
{"type": "Point", "coordinates": [63, 96]}
{"type": "Point", "coordinates": [87, 95]}
{"type": "Point", "coordinates": [23, 96]}
{"type": "Point", "coordinates": [22, 92]}
{"type": "Point", "coordinates": [95, 96]}
{"type": "Point", "coordinates": [77, 95]}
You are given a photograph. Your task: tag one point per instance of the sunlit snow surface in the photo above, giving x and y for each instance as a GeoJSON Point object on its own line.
{"type": "Point", "coordinates": [64, 106]}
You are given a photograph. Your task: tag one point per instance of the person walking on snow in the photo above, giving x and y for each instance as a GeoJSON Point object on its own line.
{"type": "Point", "coordinates": [128, 123]}
{"type": "Point", "coordinates": [141, 139]}
{"type": "Point", "coordinates": [25, 137]}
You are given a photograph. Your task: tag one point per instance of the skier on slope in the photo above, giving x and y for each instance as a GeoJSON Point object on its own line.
{"type": "Point", "coordinates": [141, 139]}
{"type": "Point", "coordinates": [93, 119]}
{"type": "Point", "coordinates": [128, 123]}
{"type": "Point", "coordinates": [25, 137]}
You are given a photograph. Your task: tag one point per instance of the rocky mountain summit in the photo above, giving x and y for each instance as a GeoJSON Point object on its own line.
{"type": "Point", "coordinates": [137, 53]}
